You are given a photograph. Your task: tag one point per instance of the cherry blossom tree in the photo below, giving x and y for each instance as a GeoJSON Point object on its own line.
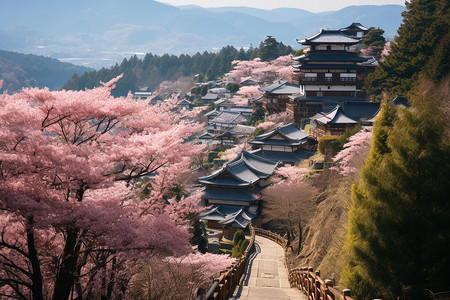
{"type": "Point", "coordinates": [268, 71]}
{"type": "Point", "coordinates": [351, 158]}
{"type": "Point", "coordinates": [386, 49]}
{"type": "Point", "coordinates": [275, 120]}
{"type": "Point", "coordinates": [69, 223]}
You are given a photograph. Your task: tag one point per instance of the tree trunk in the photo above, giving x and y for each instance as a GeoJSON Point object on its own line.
{"type": "Point", "coordinates": [36, 278]}
{"type": "Point", "coordinates": [66, 275]}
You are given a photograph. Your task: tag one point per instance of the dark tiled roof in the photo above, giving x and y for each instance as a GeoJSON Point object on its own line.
{"type": "Point", "coordinates": [337, 116]}
{"type": "Point", "coordinates": [234, 215]}
{"type": "Point", "coordinates": [280, 87]}
{"type": "Point", "coordinates": [358, 110]}
{"type": "Point", "coordinates": [210, 96]}
{"type": "Point", "coordinates": [206, 136]}
{"type": "Point", "coordinates": [291, 134]}
{"type": "Point", "coordinates": [230, 117]}
{"type": "Point", "coordinates": [228, 194]}
{"type": "Point", "coordinates": [243, 130]}
{"type": "Point", "coordinates": [327, 66]}
{"type": "Point", "coordinates": [212, 113]}
{"type": "Point", "coordinates": [329, 37]}
{"type": "Point", "coordinates": [222, 101]}
{"type": "Point", "coordinates": [287, 157]}
{"type": "Point", "coordinates": [184, 102]}
{"type": "Point", "coordinates": [245, 170]}
{"type": "Point", "coordinates": [353, 26]}
{"type": "Point", "coordinates": [242, 109]}
{"type": "Point", "coordinates": [330, 56]}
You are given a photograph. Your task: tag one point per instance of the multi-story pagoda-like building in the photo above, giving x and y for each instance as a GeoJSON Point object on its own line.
{"type": "Point", "coordinates": [327, 74]}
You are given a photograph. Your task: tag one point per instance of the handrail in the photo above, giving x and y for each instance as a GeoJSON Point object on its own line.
{"type": "Point", "coordinates": [224, 285]}
{"type": "Point", "coordinates": [305, 279]}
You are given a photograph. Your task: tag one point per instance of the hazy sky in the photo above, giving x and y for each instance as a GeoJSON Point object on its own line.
{"type": "Point", "coordinates": [311, 5]}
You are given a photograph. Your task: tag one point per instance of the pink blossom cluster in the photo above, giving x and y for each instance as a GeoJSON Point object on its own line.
{"type": "Point", "coordinates": [386, 49]}
{"type": "Point", "coordinates": [269, 71]}
{"type": "Point", "coordinates": [289, 174]}
{"type": "Point", "coordinates": [352, 156]}
{"type": "Point", "coordinates": [68, 161]}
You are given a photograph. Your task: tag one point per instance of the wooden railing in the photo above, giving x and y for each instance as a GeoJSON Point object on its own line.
{"type": "Point", "coordinates": [224, 285]}
{"type": "Point", "coordinates": [305, 279]}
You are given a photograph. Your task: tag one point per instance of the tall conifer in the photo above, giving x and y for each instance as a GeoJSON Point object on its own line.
{"type": "Point", "coordinates": [399, 224]}
{"type": "Point", "coordinates": [419, 48]}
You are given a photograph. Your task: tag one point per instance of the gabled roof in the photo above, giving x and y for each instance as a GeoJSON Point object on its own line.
{"type": "Point", "coordinates": [213, 113]}
{"type": "Point", "coordinates": [337, 116]}
{"type": "Point", "coordinates": [210, 96]}
{"type": "Point", "coordinates": [234, 215]}
{"type": "Point", "coordinates": [358, 109]}
{"type": "Point", "coordinates": [228, 194]}
{"type": "Point", "coordinates": [328, 66]}
{"type": "Point", "coordinates": [355, 26]}
{"type": "Point", "coordinates": [229, 117]}
{"type": "Point", "coordinates": [242, 109]}
{"type": "Point", "coordinates": [280, 87]}
{"type": "Point", "coordinates": [249, 80]}
{"type": "Point", "coordinates": [243, 130]}
{"type": "Point", "coordinates": [327, 56]}
{"type": "Point", "coordinates": [259, 99]}
{"type": "Point", "coordinates": [285, 157]}
{"type": "Point", "coordinates": [329, 37]}
{"type": "Point", "coordinates": [206, 136]}
{"type": "Point", "coordinates": [245, 170]}
{"type": "Point", "coordinates": [184, 102]}
{"type": "Point", "coordinates": [222, 101]}
{"type": "Point", "coordinates": [290, 133]}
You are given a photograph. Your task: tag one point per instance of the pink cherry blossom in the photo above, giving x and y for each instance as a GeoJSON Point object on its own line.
{"type": "Point", "coordinates": [351, 158]}
{"type": "Point", "coordinates": [70, 217]}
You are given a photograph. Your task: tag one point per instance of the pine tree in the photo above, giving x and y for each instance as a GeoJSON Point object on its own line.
{"type": "Point", "coordinates": [418, 48]}
{"type": "Point", "coordinates": [399, 224]}
{"type": "Point", "coordinates": [269, 49]}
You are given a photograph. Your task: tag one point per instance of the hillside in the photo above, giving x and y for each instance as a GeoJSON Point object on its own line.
{"type": "Point", "coordinates": [101, 33]}
{"type": "Point", "coordinates": [24, 70]}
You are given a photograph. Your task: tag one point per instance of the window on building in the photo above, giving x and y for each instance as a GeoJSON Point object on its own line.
{"type": "Point", "coordinates": [328, 48]}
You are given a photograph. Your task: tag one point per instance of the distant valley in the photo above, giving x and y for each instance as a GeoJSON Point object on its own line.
{"type": "Point", "coordinates": [27, 70]}
{"type": "Point", "coordinates": [101, 33]}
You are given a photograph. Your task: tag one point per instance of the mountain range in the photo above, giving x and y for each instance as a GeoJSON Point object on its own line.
{"type": "Point", "coordinates": [100, 33]}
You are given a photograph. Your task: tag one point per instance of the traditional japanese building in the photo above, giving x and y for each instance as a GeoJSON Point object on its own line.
{"type": "Point", "coordinates": [328, 72]}
{"type": "Point", "coordinates": [276, 95]}
{"type": "Point", "coordinates": [355, 29]}
{"type": "Point", "coordinates": [287, 144]}
{"type": "Point", "coordinates": [227, 120]}
{"type": "Point", "coordinates": [232, 190]}
{"type": "Point", "coordinates": [209, 97]}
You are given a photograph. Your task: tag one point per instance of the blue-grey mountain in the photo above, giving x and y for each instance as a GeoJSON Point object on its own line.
{"type": "Point", "coordinates": [101, 33]}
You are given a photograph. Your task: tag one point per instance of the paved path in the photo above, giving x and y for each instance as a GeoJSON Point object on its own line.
{"type": "Point", "coordinates": [266, 276]}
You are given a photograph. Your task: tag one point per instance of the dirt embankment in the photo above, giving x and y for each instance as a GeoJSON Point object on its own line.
{"type": "Point", "coordinates": [325, 233]}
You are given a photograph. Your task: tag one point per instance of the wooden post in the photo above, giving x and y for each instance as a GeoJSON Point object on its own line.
{"type": "Point", "coordinates": [327, 292]}
{"type": "Point", "coordinates": [345, 293]}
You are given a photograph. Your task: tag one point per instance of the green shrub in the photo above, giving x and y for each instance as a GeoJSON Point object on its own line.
{"type": "Point", "coordinates": [329, 145]}
{"type": "Point", "coordinates": [212, 155]}
{"type": "Point", "coordinates": [238, 236]}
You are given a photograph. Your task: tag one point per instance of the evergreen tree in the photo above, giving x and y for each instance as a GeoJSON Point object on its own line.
{"type": "Point", "coordinates": [399, 224]}
{"type": "Point", "coordinates": [256, 116]}
{"type": "Point", "coordinates": [420, 47]}
{"type": "Point", "coordinates": [269, 49]}
{"type": "Point", "coordinates": [198, 231]}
